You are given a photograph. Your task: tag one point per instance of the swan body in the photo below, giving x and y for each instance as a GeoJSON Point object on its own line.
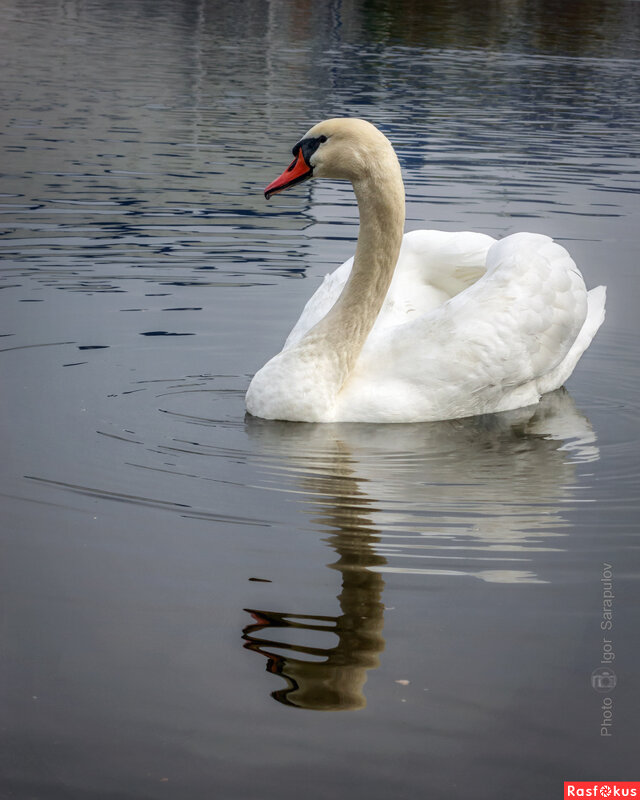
{"type": "Point", "coordinates": [427, 326]}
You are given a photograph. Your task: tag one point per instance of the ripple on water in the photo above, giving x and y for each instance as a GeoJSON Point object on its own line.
{"type": "Point", "coordinates": [482, 497]}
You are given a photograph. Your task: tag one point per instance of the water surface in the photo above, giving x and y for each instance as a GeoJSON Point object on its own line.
{"type": "Point", "coordinates": [187, 589]}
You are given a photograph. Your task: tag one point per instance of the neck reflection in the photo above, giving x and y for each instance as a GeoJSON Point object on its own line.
{"type": "Point", "coordinates": [331, 678]}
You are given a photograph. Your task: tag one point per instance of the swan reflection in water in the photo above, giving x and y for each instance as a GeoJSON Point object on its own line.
{"type": "Point", "coordinates": [334, 683]}
{"type": "Point", "coordinates": [477, 497]}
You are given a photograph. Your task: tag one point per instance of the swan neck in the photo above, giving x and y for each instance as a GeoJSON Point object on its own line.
{"type": "Point", "coordinates": [344, 330]}
{"type": "Point", "coordinates": [319, 364]}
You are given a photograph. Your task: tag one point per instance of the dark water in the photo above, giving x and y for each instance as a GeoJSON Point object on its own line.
{"type": "Point", "coordinates": [440, 585]}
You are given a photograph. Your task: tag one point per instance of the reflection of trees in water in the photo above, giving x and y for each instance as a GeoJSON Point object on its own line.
{"type": "Point", "coordinates": [474, 497]}
{"type": "Point", "coordinates": [313, 60]}
{"type": "Point", "coordinates": [590, 27]}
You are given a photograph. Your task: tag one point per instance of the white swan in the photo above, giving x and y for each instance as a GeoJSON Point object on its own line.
{"type": "Point", "coordinates": [429, 326]}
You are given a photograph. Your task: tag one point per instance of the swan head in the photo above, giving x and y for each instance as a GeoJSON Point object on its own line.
{"type": "Point", "coordinates": [342, 148]}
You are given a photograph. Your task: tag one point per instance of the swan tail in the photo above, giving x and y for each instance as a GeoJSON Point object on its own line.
{"type": "Point", "coordinates": [594, 319]}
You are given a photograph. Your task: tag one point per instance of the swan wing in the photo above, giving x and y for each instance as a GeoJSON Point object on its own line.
{"type": "Point", "coordinates": [432, 267]}
{"type": "Point", "coordinates": [595, 317]}
{"type": "Point", "coordinates": [486, 349]}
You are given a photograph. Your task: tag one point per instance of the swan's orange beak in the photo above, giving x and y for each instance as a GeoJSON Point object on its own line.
{"type": "Point", "coordinates": [297, 171]}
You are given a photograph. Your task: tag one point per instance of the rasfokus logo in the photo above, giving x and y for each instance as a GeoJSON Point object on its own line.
{"type": "Point", "coordinates": [598, 789]}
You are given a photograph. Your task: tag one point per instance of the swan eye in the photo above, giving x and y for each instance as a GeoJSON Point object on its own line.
{"type": "Point", "coordinates": [308, 147]}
